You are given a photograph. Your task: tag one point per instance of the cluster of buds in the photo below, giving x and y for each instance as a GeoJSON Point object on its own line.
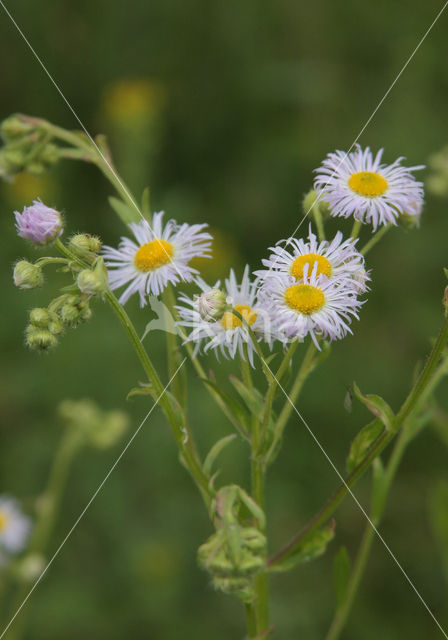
{"type": "Point", "coordinates": [27, 147]}
{"type": "Point", "coordinates": [236, 552]}
{"type": "Point", "coordinates": [101, 429]}
{"type": "Point", "coordinates": [43, 330]}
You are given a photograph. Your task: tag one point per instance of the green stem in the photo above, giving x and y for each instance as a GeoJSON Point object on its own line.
{"type": "Point", "coordinates": [406, 435]}
{"type": "Point", "coordinates": [356, 229]}
{"type": "Point", "coordinates": [172, 351]}
{"type": "Point", "coordinates": [307, 366]}
{"type": "Point", "coordinates": [376, 238]}
{"type": "Point", "coordinates": [381, 443]}
{"type": "Point", "coordinates": [185, 444]}
{"type": "Point", "coordinates": [251, 620]}
{"type": "Point", "coordinates": [318, 220]}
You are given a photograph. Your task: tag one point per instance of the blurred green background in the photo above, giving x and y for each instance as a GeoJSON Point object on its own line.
{"type": "Point", "coordinates": [224, 109]}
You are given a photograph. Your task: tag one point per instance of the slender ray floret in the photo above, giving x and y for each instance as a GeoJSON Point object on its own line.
{"type": "Point", "coordinates": [159, 255]}
{"type": "Point", "coordinates": [357, 184]}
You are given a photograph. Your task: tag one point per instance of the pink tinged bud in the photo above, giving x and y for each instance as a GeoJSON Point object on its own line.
{"type": "Point", "coordinates": [211, 305]}
{"type": "Point", "coordinates": [38, 223]}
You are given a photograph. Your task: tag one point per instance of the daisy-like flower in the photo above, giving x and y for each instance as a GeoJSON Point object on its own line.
{"type": "Point", "coordinates": [316, 305]}
{"type": "Point", "coordinates": [357, 184]}
{"type": "Point", "coordinates": [14, 526]}
{"type": "Point", "coordinates": [158, 256]}
{"type": "Point", "coordinates": [338, 259]}
{"type": "Point", "coordinates": [228, 335]}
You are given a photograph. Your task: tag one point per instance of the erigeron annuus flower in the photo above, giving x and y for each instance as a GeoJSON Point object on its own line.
{"type": "Point", "coordinates": [357, 184]}
{"type": "Point", "coordinates": [317, 305]}
{"type": "Point", "coordinates": [338, 259]}
{"type": "Point", "coordinates": [14, 526]}
{"type": "Point", "coordinates": [160, 255]}
{"type": "Point", "coordinates": [228, 335]}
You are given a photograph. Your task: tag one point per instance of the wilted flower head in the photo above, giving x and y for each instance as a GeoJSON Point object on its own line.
{"type": "Point", "coordinates": [39, 223]}
{"type": "Point", "coordinates": [14, 526]}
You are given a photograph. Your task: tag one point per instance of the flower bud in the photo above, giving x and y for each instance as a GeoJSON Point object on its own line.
{"type": "Point", "coordinates": [27, 275]}
{"type": "Point", "coordinates": [93, 282]}
{"type": "Point", "coordinates": [40, 339]}
{"type": "Point", "coordinates": [212, 305]}
{"type": "Point", "coordinates": [411, 219]}
{"type": "Point", "coordinates": [312, 200]}
{"type": "Point", "coordinates": [39, 223]}
{"type": "Point", "coordinates": [83, 243]}
{"type": "Point", "coordinates": [55, 326]}
{"type": "Point", "coordinates": [40, 317]}
{"type": "Point", "coordinates": [14, 127]}
{"type": "Point", "coordinates": [69, 314]}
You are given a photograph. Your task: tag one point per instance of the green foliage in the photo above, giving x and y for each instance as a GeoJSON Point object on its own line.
{"type": "Point", "coordinates": [362, 443]}
{"type": "Point", "coordinates": [376, 405]}
{"type": "Point", "coordinates": [311, 549]}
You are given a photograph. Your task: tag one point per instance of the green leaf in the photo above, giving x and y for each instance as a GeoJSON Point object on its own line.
{"type": "Point", "coordinates": [362, 443]}
{"type": "Point", "coordinates": [215, 451]}
{"type": "Point", "coordinates": [142, 390]}
{"type": "Point", "coordinates": [377, 406]}
{"type": "Point", "coordinates": [341, 574]}
{"type": "Point", "coordinates": [126, 212]}
{"type": "Point", "coordinates": [234, 410]}
{"type": "Point", "coordinates": [252, 397]}
{"type": "Point", "coordinates": [310, 550]}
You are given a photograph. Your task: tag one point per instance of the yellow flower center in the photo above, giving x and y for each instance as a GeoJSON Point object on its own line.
{"type": "Point", "coordinates": [304, 298]}
{"type": "Point", "coordinates": [230, 321]}
{"type": "Point", "coordinates": [368, 183]}
{"type": "Point", "coordinates": [323, 265]}
{"type": "Point", "coordinates": [3, 521]}
{"type": "Point", "coordinates": [153, 255]}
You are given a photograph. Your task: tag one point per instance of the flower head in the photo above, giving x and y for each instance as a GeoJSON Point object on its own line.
{"type": "Point", "coordinates": [358, 184]}
{"type": "Point", "coordinates": [158, 256]}
{"type": "Point", "coordinates": [338, 260]}
{"type": "Point", "coordinates": [14, 526]}
{"type": "Point", "coordinates": [39, 223]}
{"type": "Point", "coordinates": [229, 334]}
{"type": "Point", "coordinates": [317, 305]}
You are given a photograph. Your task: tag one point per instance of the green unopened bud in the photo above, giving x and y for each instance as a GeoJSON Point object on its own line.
{"type": "Point", "coordinates": [55, 326]}
{"type": "Point", "coordinates": [40, 339]}
{"type": "Point", "coordinates": [411, 219]}
{"type": "Point", "coordinates": [40, 317]}
{"type": "Point", "coordinates": [212, 305]}
{"type": "Point", "coordinates": [83, 243]}
{"type": "Point", "coordinates": [13, 128]}
{"type": "Point", "coordinates": [312, 200]}
{"type": "Point", "coordinates": [69, 314]}
{"type": "Point", "coordinates": [85, 314]}
{"type": "Point", "coordinates": [27, 275]}
{"type": "Point", "coordinates": [93, 282]}
{"type": "Point", "coordinates": [100, 429]}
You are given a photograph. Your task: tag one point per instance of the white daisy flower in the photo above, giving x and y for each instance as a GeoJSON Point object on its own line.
{"type": "Point", "coordinates": [358, 184]}
{"type": "Point", "coordinates": [160, 255]}
{"type": "Point", "coordinates": [14, 526]}
{"type": "Point", "coordinates": [228, 335]}
{"type": "Point", "coordinates": [316, 305]}
{"type": "Point", "coordinates": [338, 259]}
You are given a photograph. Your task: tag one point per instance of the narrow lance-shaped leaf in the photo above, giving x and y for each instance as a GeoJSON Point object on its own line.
{"type": "Point", "coordinates": [215, 451]}
{"type": "Point", "coordinates": [376, 405]}
{"type": "Point", "coordinates": [362, 443]}
{"type": "Point", "coordinates": [311, 549]}
{"type": "Point", "coordinates": [126, 212]}
{"type": "Point", "coordinates": [235, 411]}
{"type": "Point", "coordinates": [341, 574]}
